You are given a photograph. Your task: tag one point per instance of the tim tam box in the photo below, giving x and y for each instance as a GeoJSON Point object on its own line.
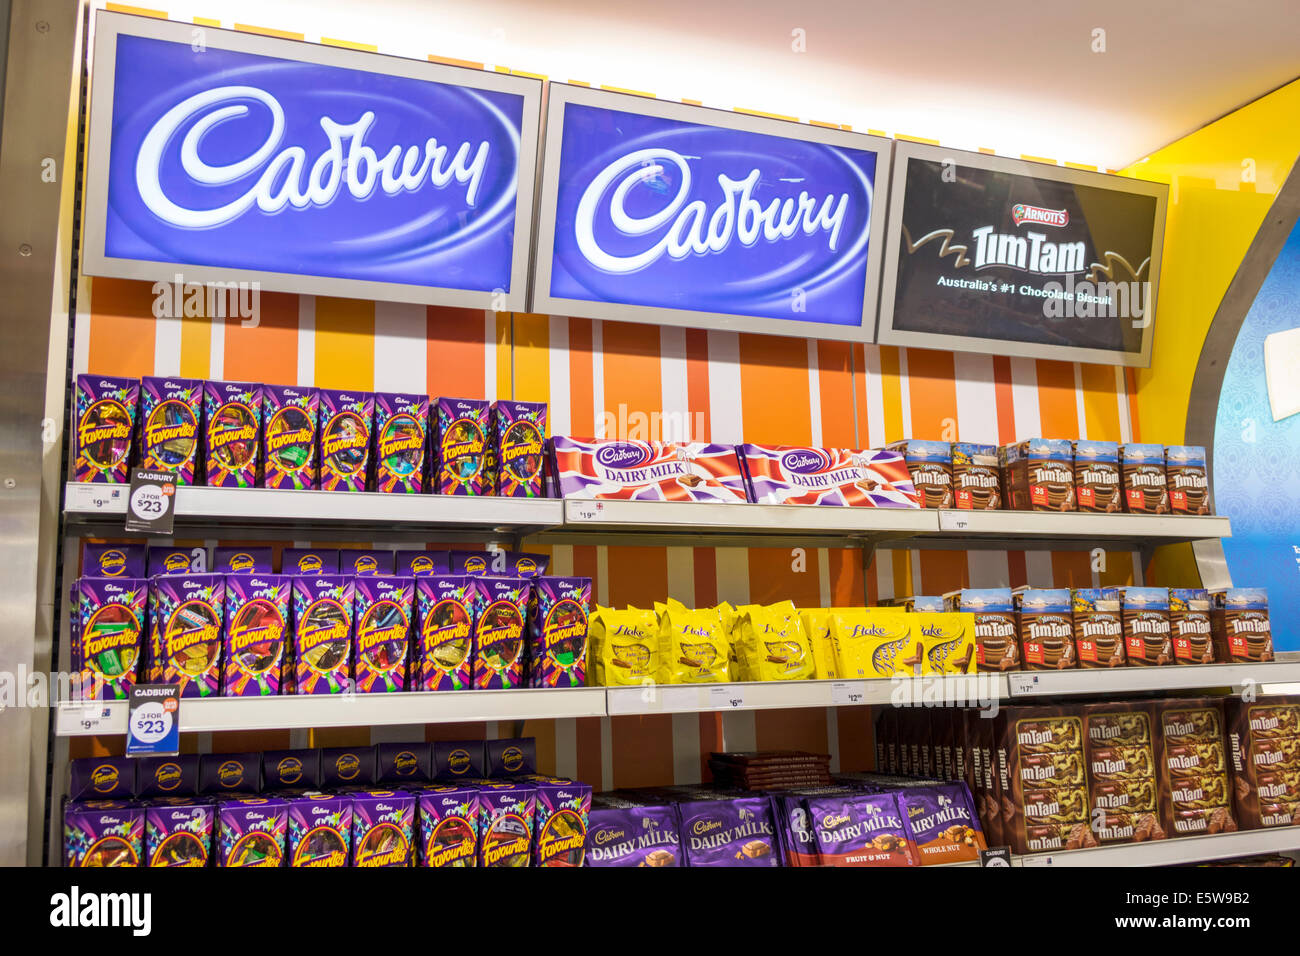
{"type": "Point", "coordinates": [1046, 627]}
{"type": "Point", "coordinates": [1098, 627]}
{"type": "Point", "coordinates": [1040, 474]}
{"type": "Point", "coordinates": [1263, 738]}
{"type": "Point", "coordinates": [1119, 747]}
{"type": "Point", "coordinates": [1241, 627]}
{"type": "Point", "coordinates": [930, 464]}
{"type": "Point", "coordinates": [1195, 789]}
{"type": "Point", "coordinates": [1098, 485]}
{"type": "Point", "coordinates": [1041, 779]}
{"type": "Point", "coordinates": [1187, 480]}
{"type": "Point", "coordinates": [996, 647]}
{"type": "Point", "coordinates": [1147, 639]}
{"type": "Point", "coordinates": [1189, 626]}
{"type": "Point", "coordinates": [976, 479]}
{"type": "Point", "coordinates": [1143, 468]}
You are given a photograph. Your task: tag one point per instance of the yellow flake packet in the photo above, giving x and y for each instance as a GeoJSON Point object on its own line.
{"type": "Point", "coordinates": [624, 647]}
{"type": "Point", "coordinates": [947, 641]}
{"type": "Point", "coordinates": [773, 645]}
{"type": "Point", "coordinates": [693, 647]}
{"type": "Point", "coordinates": [871, 642]}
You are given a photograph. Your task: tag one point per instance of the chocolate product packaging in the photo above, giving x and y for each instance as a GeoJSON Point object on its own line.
{"type": "Point", "coordinates": [976, 479]}
{"type": "Point", "coordinates": [930, 465]}
{"type": "Point", "coordinates": [499, 638]}
{"type": "Point", "coordinates": [511, 757]}
{"type": "Point", "coordinates": [1098, 627]}
{"type": "Point", "coordinates": [256, 634]}
{"type": "Point", "coordinates": [230, 774]}
{"type": "Point", "coordinates": [401, 442]}
{"type": "Point", "coordinates": [171, 412]}
{"type": "Point", "coordinates": [1120, 748]}
{"type": "Point", "coordinates": [1187, 480]}
{"type": "Point", "coordinates": [403, 764]}
{"type": "Point", "coordinates": [186, 616]}
{"type": "Point", "coordinates": [797, 840]}
{"type": "Point", "coordinates": [449, 825]}
{"type": "Point", "coordinates": [507, 813]}
{"type": "Point", "coordinates": [1098, 485]}
{"type": "Point", "coordinates": [310, 561]}
{"type": "Point", "coordinates": [867, 478]}
{"type": "Point", "coordinates": [102, 778]}
{"type": "Point", "coordinates": [1040, 474]}
{"type": "Point", "coordinates": [770, 643]}
{"type": "Point", "coordinates": [921, 602]}
{"type": "Point", "coordinates": [1189, 626]}
{"type": "Point", "coordinates": [560, 826]}
{"type": "Point", "coordinates": [557, 633]}
{"type": "Point", "coordinates": [112, 561]}
{"type": "Point", "coordinates": [165, 560]}
{"type": "Point", "coordinates": [996, 646]}
{"type": "Point", "coordinates": [1045, 621]}
{"type": "Point", "coordinates": [171, 776]}
{"type": "Point", "coordinates": [496, 564]}
{"type": "Point", "coordinates": [348, 766]}
{"type": "Point", "coordinates": [455, 761]}
{"type": "Point", "coordinates": [871, 642]}
{"type": "Point", "coordinates": [942, 823]}
{"type": "Point", "coordinates": [1143, 469]}
{"type": "Point", "coordinates": [420, 564]}
{"type": "Point", "coordinates": [290, 769]}
{"type": "Point", "coordinates": [723, 831]}
{"type": "Point", "coordinates": [624, 647]}
{"type": "Point", "coordinates": [319, 830]}
{"type": "Point", "coordinates": [103, 833]}
{"type": "Point", "coordinates": [862, 829]}
{"type": "Point", "coordinates": [462, 448]}
{"type": "Point", "coordinates": [694, 648]}
{"type": "Point", "coordinates": [625, 833]}
{"type": "Point", "coordinates": [447, 608]}
{"type": "Point", "coordinates": [517, 449]}
{"type": "Point", "coordinates": [1040, 751]}
{"type": "Point", "coordinates": [232, 416]}
{"type": "Point", "coordinates": [817, 625]}
{"type": "Point", "coordinates": [252, 831]}
{"type": "Point", "coordinates": [178, 832]}
{"type": "Point", "coordinates": [346, 421]}
{"type": "Point", "coordinates": [364, 562]}
{"type": "Point", "coordinates": [322, 633]}
{"type": "Point", "coordinates": [383, 611]}
{"type": "Point", "coordinates": [104, 419]}
{"type": "Point", "coordinates": [1240, 624]}
{"type": "Point", "coordinates": [1145, 612]}
{"type": "Point", "coordinates": [290, 415]}
{"type": "Point", "coordinates": [647, 471]}
{"type": "Point", "coordinates": [241, 560]}
{"type": "Point", "coordinates": [1263, 739]}
{"type": "Point", "coordinates": [108, 639]}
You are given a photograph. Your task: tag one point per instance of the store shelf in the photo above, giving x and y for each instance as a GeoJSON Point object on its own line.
{"type": "Point", "coordinates": [691, 698]}
{"type": "Point", "coordinates": [356, 710]}
{"type": "Point", "coordinates": [1127, 680]}
{"type": "Point", "coordinates": [1197, 849]}
{"type": "Point", "coordinates": [1048, 530]}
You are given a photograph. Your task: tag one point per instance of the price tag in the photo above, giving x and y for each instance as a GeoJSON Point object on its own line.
{"type": "Point", "coordinates": [999, 856]}
{"type": "Point", "coordinates": [1022, 683]}
{"type": "Point", "coordinates": [1038, 861]}
{"type": "Point", "coordinates": [94, 716]}
{"type": "Point", "coordinates": [847, 692]}
{"type": "Point", "coordinates": [102, 499]}
{"type": "Point", "coordinates": [586, 510]}
{"type": "Point", "coordinates": [153, 721]}
{"type": "Point", "coordinates": [151, 508]}
{"type": "Point", "coordinates": [726, 697]}
{"type": "Point", "coordinates": [954, 521]}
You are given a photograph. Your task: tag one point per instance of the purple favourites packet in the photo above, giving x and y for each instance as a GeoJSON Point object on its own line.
{"type": "Point", "coordinates": [103, 833]}
{"type": "Point", "coordinates": [346, 421]}
{"type": "Point", "coordinates": [251, 831]}
{"type": "Point", "coordinates": [232, 416]}
{"type": "Point", "coordinates": [728, 832]}
{"type": "Point", "coordinates": [242, 560]}
{"type": "Point", "coordinates": [383, 828]}
{"type": "Point", "coordinates": [102, 778]}
{"type": "Point", "coordinates": [257, 634]}
{"type": "Point", "coordinates": [508, 812]}
{"type": "Point", "coordinates": [384, 608]}
{"type": "Point", "coordinates": [449, 825]}
{"type": "Point", "coordinates": [319, 832]}
{"type": "Point", "coordinates": [108, 641]}
{"type": "Point", "coordinates": [623, 833]}
{"type": "Point", "coordinates": [560, 827]}
{"type": "Point", "coordinates": [290, 417]}
{"type": "Point", "coordinates": [461, 447]}
{"type": "Point", "coordinates": [447, 608]}
{"type": "Point", "coordinates": [401, 442]}
{"type": "Point", "coordinates": [365, 563]}
{"type": "Point", "coordinates": [499, 638]}
{"type": "Point", "coordinates": [104, 426]}
{"type": "Point", "coordinates": [310, 561]}
{"type": "Point", "coordinates": [518, 439]}
{"type": "Point", "coordinates": [112, 561]}
{"type": "Point", "coordinates": [420, 564]}
{"type": "Point", "coordinates": [171, 410]}
{"type": "Point", "coordinates": [187, 624]}
{"type": "Point", "coordinates": [322, 634]}
{"type": "Point", "coordinates": [178, 832]}
{"type": "Point", "coordinates": [557, 633]}
{"type": "Point", "coordinates": [171, 776]}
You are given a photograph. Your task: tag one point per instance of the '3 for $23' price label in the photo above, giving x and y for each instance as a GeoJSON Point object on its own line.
{"type": "Point", "coordinates": [151, 506]}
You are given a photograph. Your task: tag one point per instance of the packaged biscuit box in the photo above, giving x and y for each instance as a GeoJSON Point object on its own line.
{"type": "Point", "coordinates": [383, 828]}
{"type": "Point", "coordinates": [310, 561]}
{"type": "Point", "coordinates": [252, 831]}
{"type": "Point", "coordinates": [170, 776]}
{"type": "Point", "coordinates": [1120, 752]}
{"type": "Point", "coordinates": [930, 465]}
{"type": "Point", "coordinates": [942, 823]}
{"type": "Point", "coordinates": [403, 764]}
{"type": "Point", "coordinates": [517, 448]}
{"type": "Point", "coordinates": [1195, 788]}
{"type": "Point", "coordinates": [1189, 626]}
{"type": "Point", "coordinates": [872, 642]}
{"type": "Point", "coordinates": [647, 471]}
{"type": "Point", "coordinates": [782, 474]}
{"type": "Point", "coordinates": [772, 644]}
{"type": "Point", "coordinates": [104, 420]}
{"type": "Point", "coordinates": [624, 647]}
{"type": "Point", "coordinates": [346, 421]}
{"type": "Point", "coordinates": [862, 829]}
{"type": "Point", "coordinates": [1187, 480]}
{"type": "Point", "coordinates": [420, 564]}
{"type": "Point", "coordinates": [291, 769]}
{"type": "Point", "coordinates": [1145, 613]}
{"type": "Point", "coordinates": [1039, 474]}
{"type": "Point", "coordinates": [256, 634]}
{"type": "Point", "coordinates": [449, 825]}
{"type": "Point", "coordinates": [447, 608]}
{"type": "Point", "coordinates": [693, 646]}
{"type": "Point", "coordinates": [1039, 767]}
{"type": "Point", "coordinates": [945, 642]}
{"type": "Point", "coordinates": [230, 774]}
{"type": "Point", "coordinates": [1098, 627]}
{"type": "Point", "coordinates": [507, 812]}
{"type": "Point", "coordinates": [1240, 625]}
{"type": "Point", "coordinates": [290, 415]}
{"type": "Point", "coordinates": [171, 410]}
{"type": "Point", "coordinates": [352, 767]}
{"type": "Point", "coordinates": [112, 560]}
{"type": "Point", "coordinates": [717, 830]}
{"type": "Point", "coordinates": [996, 646]}
{"type": "Point", "coordinates": [623, 832]}
{"type": "Point", "coordinates": [383, 610]}
{"type": "Point", "coordinates": [233, 560]}
{"type": "Point", "coordinates": [401, 442]}
{"type": "Point", "coordinates": [1098, 485]}
{"type": "Point", "coordinates": [1263, 739]}
{"type": "Point", "coordinates": [319, 830]}
{"type": "Point", "coordinates": [102, 778]}
{"type": "Point", "coordinates": [560, 826]}
{"type": "Point", "coordinates": [1045, 621]}
{"type": "Point", "coordinates": [1143, 471]}
{"type": "Point", "coordinates": [232, 416]}
{"type": "Point", "coordinates": [322, 633]}
{"type": "Point", "coordinates": [103, 833]}
{"type": "Point", "coordinates": [976, 479]}
{"type": "Point", "coordinates": [186, 617]}
{"type": "Point", "coordinates": [557, 632]}
{"type": "Point", "coordinates": [500, 640]}
{"type": "Point", "coordinates": [178, 832]}
{"type": "Point", "coordinates": [108, 636]}
{"type": "Point", "coordinates": [461, 447]}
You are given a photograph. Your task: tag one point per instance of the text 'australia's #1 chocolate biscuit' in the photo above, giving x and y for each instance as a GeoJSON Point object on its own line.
{"type": "Point", "coordinates": [319, 832]}
{"type": "Point", "coordinates": [449, 826]}
{"type": "Point", "coordinates": [108, 636]}
{"type": "Point", "coordinates": [499, 633]}
{"type": "Point", "coordinates": [1098, 485]}
{"type": "Point", "coordinates": [976, 482]}
{"type": "Point", "coordinates": [346, 419]}
{"type": "Point", "coordinates": [1098, 627]}
{"type": "Point", "coordinates": [252, 831]}
{"type": "Point", "coordinates": [868, 478]}
{"type": "Point", "coordinates": [1040, 474]}
{"type": "Point", "coordinates": [1189, 626]}
{"type": "Point", "coordinates": [382, 612]}
{"type": "Point", "coordinates": [170, 412]}
{"type": "Point", "coordinates": [462, 447]}
{"type": "Point", "coordinates": [1188, 482]}
{"type": "Point", "coordinates": [103, 833]}
{"type": "Point", "coordinates": [1147, 640]}
{"type": "Point", "coordinates": [289, 436]}
{"type": "Point", "coordinates": [322, 633]}
{"type": "Point", "coordinates": [401, 442]}
{"type": "Point", "coordinates": [1240, 623]}
{"type": "Point", "coordinates": [517, 448]}
{"type": "Point", "coordinates": [648, 471]}
{"type": "Point", "coordinates": [996, 646]}
{"type": "Point", "coordinates": [104, 419]}
{"type": "Point", "coordinates": [187, 614]}
{"type": "Point", "coordinates": [1143, 469]}
{"type": "Point", "coordinates": [561, 824]}
{"type": "Point", "coordinates": [447, 608]}
{"type": "Point", "coordinates": [1046, 624]}
{"type": "Point", "coordinates": [232, 415]}
{"type": "Point", "coordinates": [256, 633]}
{"type": "Point", "coordinates": [930, 465]}
{"type": "Point", "coordinates": [558, 632]}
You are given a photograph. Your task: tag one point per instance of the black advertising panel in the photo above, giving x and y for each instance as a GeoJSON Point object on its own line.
{"type": "Point", "coordinates": [1004, 256]}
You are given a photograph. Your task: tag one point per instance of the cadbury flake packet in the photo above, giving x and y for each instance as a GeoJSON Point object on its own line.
{"type": "Point", "coordinates": [693, 646]}
{"type": "Point", "coordinates": [771, 644]}
{"type": "Point", "coordinates": [624, 647]}
{"type": "Point", "coordinates": [861, 829]}
{"type": "Point", "coordinates": [723, 831]}
{"type": "Point", "coordinates": [871, 642]}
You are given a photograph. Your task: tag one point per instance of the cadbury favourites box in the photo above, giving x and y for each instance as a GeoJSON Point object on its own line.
{"type": "Point", "coordinates": [171, 776]}
{"type": "Point", "coordinates": [310, 561]}
{"type": "Point", "coordinates": [560, 826]}
{"type": "Point", "coordinates": [102, 778]}
{"type": "Point", "coordinates": [364, 562]}
{"type": "Point", "coordinates": [507, 812]}
{"type": "Point", "coordinates": [186, 618]}
{"type": "Point", "coordinates": [108, 636]}
{"type": "Point", "coordinates": [290, 414]}
{"type": "Point", "coordinates": [647, 471]}
{"type": "Point", "coordinates": [383, 611]}
{"type": "Point", "coordinates": [622, 832]}
{"type": "Point", "coordinates": [459, 761]}
{"type": "Point", "coordinates": [383, 828]}
{"type": "Point", "coordinates": [232, 416]}
{"type": "Point", "coordinates": [112, 561]}
{"type": "Point", "coordinates": [447, 608]}
{"type": "Point", "coordinates": [499, 637]}
{"type": "Point", "coordinates": [290, 769]}
{"type": "Point", "coordinates": [322, 633]}
{"type": "Point", "coordinates": [401, 442]}
{"type": "Point", "coordinates": [178, 832]}
{"type": "Point", "coordinates": [102, 833]}
{"type": "Point", "coordinates": [870, 478]}
{"type": "Point", "coordinates": [251, 831]}
{"type": "Point", "coordinates": [319, 830]}
{"type": "Point", "coordinates": [403, 764]}
{"type": "Point", "coordinates": [420, 564]}
{"type": "Point", "coordinates": [462, 447]}
{"type": "Point", "coordinates": [229, 560]}
{"type": "Point", "coordinates": [171, 410]}
{"type": "Point", "coordinates": [230, 775]}
{"type": "Point", "coordinates": [257, 628]}
{"type": "Point", "coordinates": [346, 420]}
{"type": "Point", "coordinates": [105, 414]}
{"type": "Point", "coordinates": [173, 560]}
{"type": "Point", "coordinates": [348, 767]}
{"type": "Point", "coordinates": [557, 633]}
{"type": "Point", "coordinates": [449, 825]}
{"type": "Point", "coordinates": [516, 455]}
{"type": "Point", "coordinates": [511, 757]}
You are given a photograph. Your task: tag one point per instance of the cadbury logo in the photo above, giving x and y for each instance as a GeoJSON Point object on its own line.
{"type": "Point", "coordinates": [802, 462]}
{"type": "Point", "coordinates": [620, 455]}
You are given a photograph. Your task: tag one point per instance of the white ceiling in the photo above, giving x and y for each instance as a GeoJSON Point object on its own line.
{"type": "Point", "coordinates": [1012, 75]}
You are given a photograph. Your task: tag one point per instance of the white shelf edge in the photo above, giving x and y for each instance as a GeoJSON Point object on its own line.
{"type": "Point", "coordinates": [1186, 849]}
{"type": "Point", "coordinates": [1127, 680]}
{"type": "Point", "coordinates": [593, 515]}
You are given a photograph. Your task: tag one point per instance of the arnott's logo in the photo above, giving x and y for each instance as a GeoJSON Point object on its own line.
{"type": "Point", "coordinates": [1022, 213]}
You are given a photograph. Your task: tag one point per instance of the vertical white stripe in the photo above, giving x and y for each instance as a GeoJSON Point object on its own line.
{"type": "Point", "coordinates": [558, 356]}
{"type": "Point", "coordinates": [884, 564]}
{"type": "Point", "coordinates": [562, 560]}
{"type": "Point", "coordinates": [918, 583]}
{"type": "Point", "coordinates": [814, 394]}
{"type": "Point", "coordinates": [598, 378]}
{"type": "Point", "coordinates": [606, 754]}
{"type": "Point", "coordinates": [738, 731]}
{"type": "Point", "coordinates": [686, 748]}
{"type": "Point", "coordinates": [566, 747]}
{"type": "Point", "coordinates": [401, 357]}
{"type": "Point", "coordinates": [81, 332]}
{"type": "Point", "coordinates": [1024, 398]}
{"type": "Point", "coordinates": [977, 403]}
{"type": "Point", "coordinates": [1080, 406]}
{"type": "Point", "coordinates": [833, 737]}
{"type": "Point", "coordinates": [492, 730]}
{"type": "Point", "coordinates": [491, 387]}
{"type": "Point", "coordinates": [905, 394]}
{"type": "Point", "coordinates": [874, 417]}
{"type": "Point", "coordinates": [602, 575]}
{"type": "Point", "coordinates": [306, 340]}
{"type": "Point", "coordinates": [733, 574]}
{"type": "Point", "coordinates": [1139, 575]}
{"type": "Point", "coordinates": [1038, 569]}
{"type": "Point", "coordinates": [681, 574]}
{"type": "Point", "coordinates": [1121, 397]}
{"type": "Point", "coordinates": [988, 569]}
{"type": "Point", "coordinates": [217, 348]}
{"type": "Point", "coordinates": [824, 576]}
{"type": "Point", "coordinates": [300, 738]}
{"type": "Point", "coordinates": [675, 400]}
{"type": "Point", "coordinates": [728, 425]}
{"type": "Point", "coordinates": [167, 338]}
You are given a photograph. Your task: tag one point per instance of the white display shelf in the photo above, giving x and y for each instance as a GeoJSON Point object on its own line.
{"type": "Point", "coordinates": [1046, 529]}
{"type": "Point", "coordinates": [1128, 680]}
{"type": "Point", "coordinates": [769, 695]}
{"type": "Point", "coordinates": [354, 710]}
{"type": "Point", "coordinates": [1171, 852]}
